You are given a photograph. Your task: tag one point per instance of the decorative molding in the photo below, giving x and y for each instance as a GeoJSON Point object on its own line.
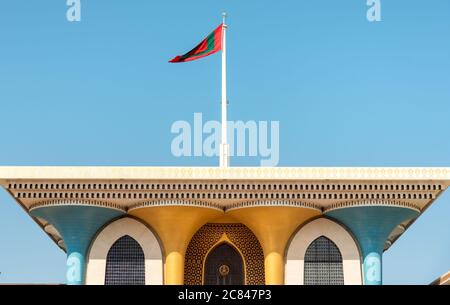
{"type": "Point", "coordinates": [358, 203]}
{"type": "Point", "coordinates": [159, 203]}
{"type": "Point", "coordinates": [71, 202]}
{"type": "Point", "coordinates": [209, 173]}
{"type": "Point", "coordinates": [273, 203]}
{"type": "Point", "coordinates": [225, 194]}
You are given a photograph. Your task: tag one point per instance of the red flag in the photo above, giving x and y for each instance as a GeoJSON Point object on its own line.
{"type": "Point", "coordinates": [210, 45]}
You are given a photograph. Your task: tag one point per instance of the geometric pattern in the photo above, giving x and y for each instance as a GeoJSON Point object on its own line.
{"type": "Point", "coordinates": [208, 235]}
{"type": "Point", "coordinates": [125, 263]}
{"type": "Point", "coordinates": [323, 263]}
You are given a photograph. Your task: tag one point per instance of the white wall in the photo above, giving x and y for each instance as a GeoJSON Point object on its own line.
{"type": "Point", "coordinates": [294, 269]}
{"type": "Point", "coordinates": [96, 262]}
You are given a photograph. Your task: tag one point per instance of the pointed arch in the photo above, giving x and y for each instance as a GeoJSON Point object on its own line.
{"type": "Point", "coordinates": [109, 235]}
{"type": "Point", "coordinates": [213, 234]}
{"type": "Point", "coordinates": [302, 239]}
{"type": "Point", "coordinates": [224, 265]}
{"type": "Point", "coordinates": [323, 263]}
{"type": "Point", "coordinates": [125, 263]}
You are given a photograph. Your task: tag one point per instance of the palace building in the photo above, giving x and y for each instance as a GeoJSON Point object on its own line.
{"type": "Point", "coordinates": [219, 226]}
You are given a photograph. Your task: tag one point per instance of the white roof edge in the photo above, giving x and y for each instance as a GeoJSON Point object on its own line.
{"type": "Point", "coordinates": [232, 173]}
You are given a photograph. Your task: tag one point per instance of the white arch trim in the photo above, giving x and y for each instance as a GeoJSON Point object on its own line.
{"type": "Point", "coordinates": [294, 268]}
{"type": "Point", "coordinates": [96, 263]}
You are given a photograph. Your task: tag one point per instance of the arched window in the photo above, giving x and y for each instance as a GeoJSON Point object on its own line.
{"type": "Point", "coordinates": [125, 263]}
{"type": "Point", "coordinates": [323, 263]}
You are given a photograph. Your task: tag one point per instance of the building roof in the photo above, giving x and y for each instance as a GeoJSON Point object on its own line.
{"type": "Point", "coordinates": [225, 188]}
{"type": "Point", "coordinates": [217, 173]}
{"type": "Point", "coordinates": [442, 280]}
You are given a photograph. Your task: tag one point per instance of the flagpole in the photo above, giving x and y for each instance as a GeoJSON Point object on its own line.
{"type": "Point", "coordinates": [224, 148]}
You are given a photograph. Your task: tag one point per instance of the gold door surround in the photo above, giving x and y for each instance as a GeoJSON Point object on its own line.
{"type": "Point", "coordinates": [238, 236]}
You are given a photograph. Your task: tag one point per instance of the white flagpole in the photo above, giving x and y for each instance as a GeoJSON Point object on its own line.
{"type": "Point", "coordinates": [224, 148]}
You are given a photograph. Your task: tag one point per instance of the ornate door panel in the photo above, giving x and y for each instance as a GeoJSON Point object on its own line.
{"type": "Point", "coordinates": [224, 266]}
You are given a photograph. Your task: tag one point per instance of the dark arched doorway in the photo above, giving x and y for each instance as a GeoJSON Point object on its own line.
{"type": "Point", "coordinates": [125, 263]}
{"type": "Point", "coordinates": [239, 237]}
{"type": "Point", "coordinates": [224, 266]}
{"type": "Point", "coordinates": [323, 263]}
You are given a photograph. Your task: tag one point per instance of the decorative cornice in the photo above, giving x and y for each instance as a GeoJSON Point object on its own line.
{"type": "Point", "coordinates": [76, 202]}
{"type": "Point", "coordinates": [232, 173]}
{"type": "Point", "coordinates": [165, 203]}
{"type": "Point", "coordinates": [359, 203]}
{"type": "Point", "coordinates": [272, 203]}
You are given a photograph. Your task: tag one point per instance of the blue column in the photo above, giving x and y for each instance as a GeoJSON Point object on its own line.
{"type": "Point", "coordinates": [77, 225]}
{"type": "Point", "coordinates": [371, 226]}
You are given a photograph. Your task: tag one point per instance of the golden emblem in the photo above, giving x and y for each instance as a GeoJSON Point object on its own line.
{"type": "Point", "coordinates": [224, 270]}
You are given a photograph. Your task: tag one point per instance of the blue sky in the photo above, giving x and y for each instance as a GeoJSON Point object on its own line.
{"type": "Point", "coordinates": [346, 92]}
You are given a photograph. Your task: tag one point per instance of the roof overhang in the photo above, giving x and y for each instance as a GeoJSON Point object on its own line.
{"type": "Point", "coordinates": [323, 187]}
{"type": "Point", "coordinates": [442, 280]}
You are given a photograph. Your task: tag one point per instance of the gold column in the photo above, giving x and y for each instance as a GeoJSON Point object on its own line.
{"type": "Point", "coordinates": [273, 226]}
{"type": "Point", "coordinates": [175, 226]}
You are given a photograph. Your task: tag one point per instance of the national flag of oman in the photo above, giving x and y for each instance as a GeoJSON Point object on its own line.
{"type": "Point", "coordinates": [210, 45]}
